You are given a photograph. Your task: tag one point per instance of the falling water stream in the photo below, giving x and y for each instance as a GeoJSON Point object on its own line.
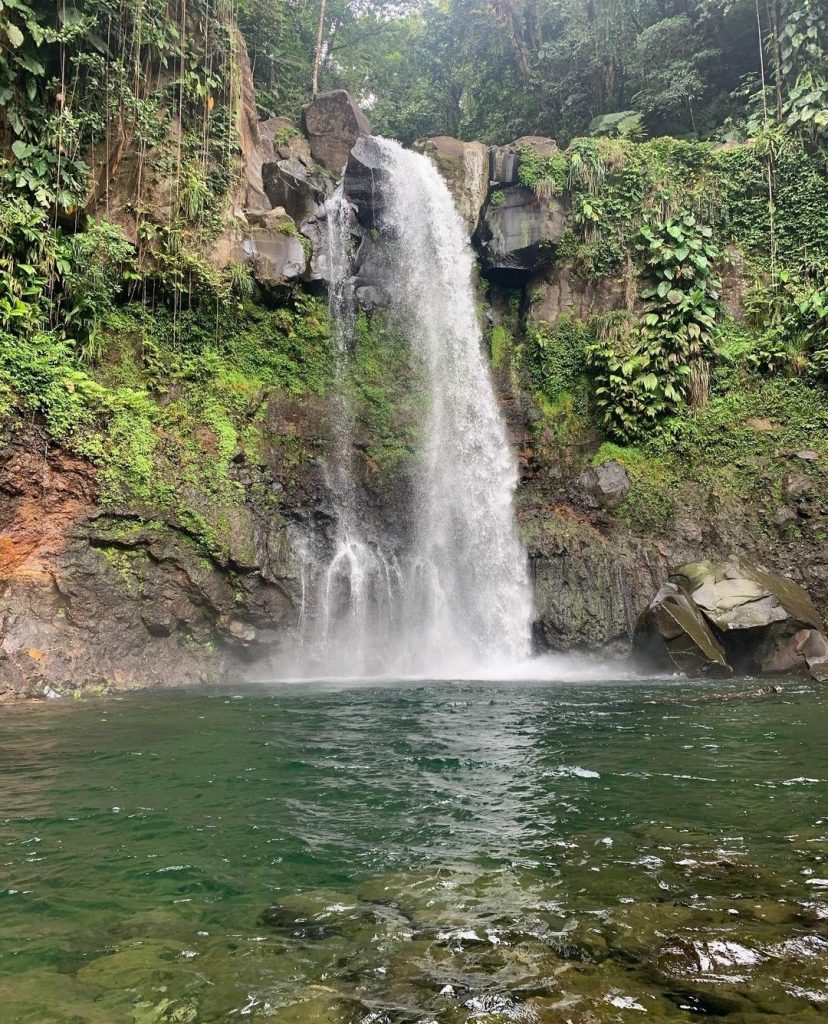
{"type": "Point", "coordinates": [358, 585]}
{"type": "Point", "coordinates": [457, 601]}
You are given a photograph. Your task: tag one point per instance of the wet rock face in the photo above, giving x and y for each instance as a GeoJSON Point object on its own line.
{"type": "Point", "coordinates": [102, 599]}
{"type": "Point", "coordinates": [465, 168]}
{"type": "Point", "coordinates": [559, 290]}
{"type": "Point", "coordinates": [735, 616]}
{"type": "Point", "coordinates": [806, 650]}
{"type": "Point", "coordinates": [589, 587]}
{"type": "Point", "coordinates": [516, 230]}
{"type": "Point", "coordinates": [333, 123]}
{"type": "Point", "coordinates": [362, 171]}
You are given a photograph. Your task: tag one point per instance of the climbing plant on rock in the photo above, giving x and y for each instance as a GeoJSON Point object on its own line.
{"type": "Point", "coordinates": [645, 373]}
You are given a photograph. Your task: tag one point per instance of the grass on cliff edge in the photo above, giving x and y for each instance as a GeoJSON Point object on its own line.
{"type": "Point", "coordinates": [742, 445]}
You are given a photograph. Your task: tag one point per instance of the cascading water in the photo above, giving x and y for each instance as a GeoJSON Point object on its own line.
{"type": "Point", "coordinates": [357, 588]}
{"type": "Point", "coordinates": [458, 601]}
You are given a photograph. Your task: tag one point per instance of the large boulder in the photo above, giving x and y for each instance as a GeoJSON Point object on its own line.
{"type": "Point", "coordinates": [806, 650]}
{"type": "Point", "coordinates": [274, 249]}
{"type": "Point", "coordinates": [333, 123]}
{"type": "Point", "coordinates": [762, 621]}
{"type": "Point", "coordinates": [672, 632]}
{"type": "Point", "coordinates": [365, 167]}
{"type": "Point", "coordinates": [465, 168]}
{"type": "Point", "coordinates": [606, 485]}
{"type": "Point", "coordinates": [280, 139]}
{"type": "Point", "coordinates": [517, 227]}
{"type": "Point", "coordinates": [300, 189]}
{"type": "Point", "coordinates": [734, 595]}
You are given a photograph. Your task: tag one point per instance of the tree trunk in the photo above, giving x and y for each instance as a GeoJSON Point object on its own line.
{"type": "Point", "coordinates": [317, 57]}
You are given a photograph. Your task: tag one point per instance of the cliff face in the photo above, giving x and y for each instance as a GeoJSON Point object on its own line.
{"type": "Point", "coordinates": [184, 552]}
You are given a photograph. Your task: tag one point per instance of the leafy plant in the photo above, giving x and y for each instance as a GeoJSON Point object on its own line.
{"type": "Point", "coordinates": [645, 370]}
{"type": "Point", "coordinates": [792, 312]}
{"type": "Point", "coordinates": [622, 124]}
{"type": "Point", "coordinates": [95, 265]}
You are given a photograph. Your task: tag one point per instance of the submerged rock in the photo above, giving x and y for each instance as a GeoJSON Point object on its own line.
{"type": "Point", "coordinates": [672, 630]}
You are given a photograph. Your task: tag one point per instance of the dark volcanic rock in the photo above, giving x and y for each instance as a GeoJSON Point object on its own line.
{"type": "Point", "coordinates": [606, 485]}
{"type": "Point", "coordinates": [516, 231]}
{"type": "Point", "coordinates": [590, 588]}
{"type": "Point", "coordinates": [673, 632]}
{"type": "Point", "coordinates": [333, 123]}
{"type": "Point", "coordinates": [364, 169]}
{"type": "Point", "coordinates": [558, 290]}
{"type": "Point", "coordinates": [299, 189]}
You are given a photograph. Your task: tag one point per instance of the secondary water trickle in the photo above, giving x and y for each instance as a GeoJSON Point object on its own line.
{"type": "Point", "coordinates": [457, 600]}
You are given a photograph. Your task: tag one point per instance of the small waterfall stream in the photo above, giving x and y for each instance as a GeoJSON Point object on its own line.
{"type": "Point", "coordinates": [458, 601]}
{"type": "Point", "coordinates": [357, 590]}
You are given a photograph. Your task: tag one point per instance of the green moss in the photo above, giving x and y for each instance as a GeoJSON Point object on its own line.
{"type": "Point", "coordinates": [289, 228]}
{"type": "Point", "coordinates": [173, 400]}
{"type": "Point", "coordinates": [285, 135]}
{"type": "Point", "coordinates": [501, 344]}
{"type": "Point", "coordinates": [611, 452]}
{"type": "Point", "coordinates": [555, 356]}
{"type": "Point", "coordinates": [739, 446]}
{"type": "Point", "coordinates": [387, 400]}
{"type": "Point", "coordinates": [124, 562]}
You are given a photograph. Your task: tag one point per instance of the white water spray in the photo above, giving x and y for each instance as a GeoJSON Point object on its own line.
{"type": "Point", "coordinates": [458, 601]}
{"type": "Point", "coordinates": [358, 589]}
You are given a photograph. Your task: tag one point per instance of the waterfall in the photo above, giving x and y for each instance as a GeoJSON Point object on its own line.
{"type": "Point", "coordinates": [357, 587]}
{"type": "Point", "coordinates": [457, 601]}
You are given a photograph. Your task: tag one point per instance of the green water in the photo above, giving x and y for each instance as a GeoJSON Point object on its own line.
{"type": "Point", "coordinates": [432, 853]}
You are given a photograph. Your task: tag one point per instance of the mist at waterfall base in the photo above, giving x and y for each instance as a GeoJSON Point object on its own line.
{"type": "Point", "coordinates": [456, 602]}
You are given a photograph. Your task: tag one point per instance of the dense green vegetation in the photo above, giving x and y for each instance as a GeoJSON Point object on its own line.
{"type": "Point", "coordinates": [498, 69]}
{"type": "Point", "coordinates": [688, 393]}
{"type": "Point", "coordinates": [119, 142]}
{"type": "Point", "coordinates": [670, 218]}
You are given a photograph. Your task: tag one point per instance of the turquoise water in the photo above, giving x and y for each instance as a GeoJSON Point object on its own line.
{"type": "Point", "coordinates": [400, 853]}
